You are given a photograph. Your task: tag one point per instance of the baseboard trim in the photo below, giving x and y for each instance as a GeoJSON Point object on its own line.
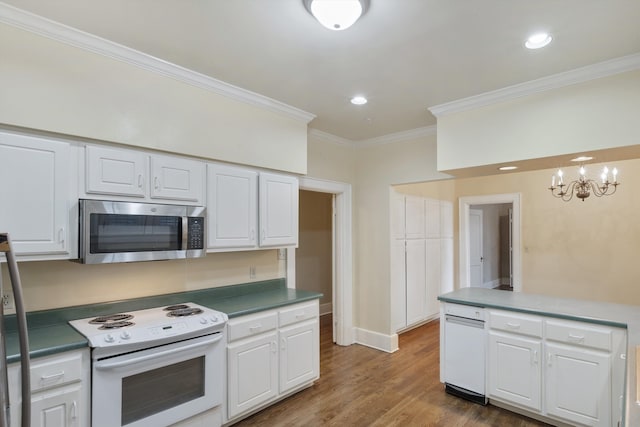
{"type": "Point", "coordinates": [382, 342]}
{"type": "Point", "coordinates": [326, 308]}
{"type": "Point", "coordinates": [492, 284]}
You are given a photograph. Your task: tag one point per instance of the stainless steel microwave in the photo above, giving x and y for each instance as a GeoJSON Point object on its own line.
{"type": "Point", "coordinates": [130, 231]}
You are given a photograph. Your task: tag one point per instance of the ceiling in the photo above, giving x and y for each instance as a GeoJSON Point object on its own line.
{"type": "Point", "coordinates": [403, 55]}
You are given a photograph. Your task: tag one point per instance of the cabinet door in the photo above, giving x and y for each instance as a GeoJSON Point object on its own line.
{"type": "Point", "coordinates": [299, 354]}
{"type": "Point", "coordinates": [432, 278]}
{"type": "Point", "coordinates": [432, 219]}
{"type": "Point", "coordinates": [116, 172]}
{"type": "Point", "coordinates": [35, 181]}
{"type": "Point", "coordinates": [252, 373]}
{"type": "Point", "coordinates": [414, 218]}
{"type": "Point", "coordinates": [397, 215]}
{"type": "Point", "coordinates": [446, 265]}
{"type": "Point", "coordinates": [57, 407]}
{"type": "Point", "coordinates": [232, 197]}
{"type": "Point", "coordinates": [416, 281]}
{"type": "Point", "coordinates": [398, 285]}
{"type": "Point", "coordinates": [278, 210]}
{"type": "Point", "coordinates": [514, 370]}
{"type": "Point", "coordinates": [174, 178]}
{"type": "Point", "coordinates": [578, 385]}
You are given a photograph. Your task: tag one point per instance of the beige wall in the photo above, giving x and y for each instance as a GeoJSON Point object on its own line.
{"type": "Point", "coordinates": [378, 167]}
{"type": "Point", "coordinates": [330, 160]}
{"type": "Point", "coordinates": [595, 115]}
{"type": "Point", "coordinates": [570, 249]}
{"type": "Point", "coordinates": [315, 244]}
{"type": "Point", "coordinates": [48, 85]}
{"type": "Point", "coordinates": [54, 284]}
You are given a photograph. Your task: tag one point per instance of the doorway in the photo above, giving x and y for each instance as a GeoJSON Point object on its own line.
{"type": "Point", "coordinates": [513, 268]}
{"type": "Point", "coordinates": [490, 250]}
{"type": "Point", "coordinates": [342, 256]}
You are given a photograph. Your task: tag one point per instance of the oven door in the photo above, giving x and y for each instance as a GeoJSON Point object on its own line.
{"type": "Point", "coordinates": [159, 386]}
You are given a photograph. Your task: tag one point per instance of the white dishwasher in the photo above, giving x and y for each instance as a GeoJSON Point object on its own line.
{"type": "Point", "coordinates": [465, 342]}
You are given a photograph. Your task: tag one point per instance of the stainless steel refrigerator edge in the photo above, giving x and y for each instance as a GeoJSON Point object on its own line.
{"type": "Point", "coordinates": [14, 276]}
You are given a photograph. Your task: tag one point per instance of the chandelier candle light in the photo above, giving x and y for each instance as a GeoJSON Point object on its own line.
{"type": "Point", "coordinates": [582, 187]}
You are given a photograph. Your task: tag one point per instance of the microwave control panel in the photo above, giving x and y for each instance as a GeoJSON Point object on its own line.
{"type": "Point", "coordinates": [196, 233]}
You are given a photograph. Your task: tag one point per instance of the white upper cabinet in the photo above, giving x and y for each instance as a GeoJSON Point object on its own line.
{"type": "Point", "coordinates": [278, 208]}
{"type": "Point", "coordinates": [176, 178]}
{"type": "Point", "coordinates": [446, 219]}
{"type": "Point", "coordinates": [35, 183]}
{"type": "Point", "coordinates": [432, 216]}
{"type": "Point", "coordinates": [232, 197]}
{"type": "Point", "coordinates": [147, 177]}
{"type": "Point", "coordinates": [247, 209]}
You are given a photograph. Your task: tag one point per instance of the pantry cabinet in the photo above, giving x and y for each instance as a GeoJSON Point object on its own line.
{"type": "Point", "coordinates": [37, 195]}
{"type": "Point", "coordinates": [421, 260]}
{"type": "Point", "coordinates": [271, 354]}
{"type": "Point", "coordinates": [132, 174]}
{"type": "Point", "coordinates": [247, 209]}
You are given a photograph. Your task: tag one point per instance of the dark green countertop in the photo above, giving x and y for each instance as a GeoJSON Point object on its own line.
{"type": "Point", "coordinates": [49, 332]}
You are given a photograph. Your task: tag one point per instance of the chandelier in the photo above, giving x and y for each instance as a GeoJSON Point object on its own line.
{"type": "Point", "coordinates": [583, 187]}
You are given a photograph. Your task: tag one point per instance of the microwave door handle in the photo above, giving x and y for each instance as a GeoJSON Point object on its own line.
{"type": "Point", "coordinates": [185, 232]}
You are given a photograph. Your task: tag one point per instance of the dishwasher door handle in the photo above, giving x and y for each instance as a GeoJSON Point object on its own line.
{"type": "Point", "coordinates": [465, 321]}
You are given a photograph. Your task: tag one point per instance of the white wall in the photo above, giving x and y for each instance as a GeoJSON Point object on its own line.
{"type": "Point", "coordinates": [595, 115]}
{"type": "Point", "coordinates": [52, 86]}
{"type": "Point", "coordinates": [379, 167]}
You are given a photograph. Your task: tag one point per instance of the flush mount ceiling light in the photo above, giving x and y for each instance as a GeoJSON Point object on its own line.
{"type": "Point", "coordinates": [538, 40]}
{"type": "Point", "coordinates": [336, 15]}
{"type": "Point", "coordinates": [358, 100]}
{"type": "Point", "coordinates": [582, 159]}
{"type": "Point", "coordinates": [507, 168]}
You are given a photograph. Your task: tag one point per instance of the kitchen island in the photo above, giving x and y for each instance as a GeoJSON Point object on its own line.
{"type": "Point", "coordinates": [552, 311]}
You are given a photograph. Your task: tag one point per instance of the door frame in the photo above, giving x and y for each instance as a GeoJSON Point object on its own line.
{"type": "Point", "coordinates": [342, 257]}
{"type": "Point", "coordinates": [480, 214]}
{"type": "Point", "coordinates": [464, 246]}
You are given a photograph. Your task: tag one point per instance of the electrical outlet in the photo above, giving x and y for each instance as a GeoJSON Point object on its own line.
{"type": "Point", "coordinates": [282, 254]}
{"type": "Point", "coordinates": [7, 302]}
{"type": "Point", "coordinates": [252, 272]}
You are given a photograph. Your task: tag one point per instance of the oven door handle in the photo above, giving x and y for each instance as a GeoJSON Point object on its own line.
{"type": "Point", "coordinates": [103, 366]}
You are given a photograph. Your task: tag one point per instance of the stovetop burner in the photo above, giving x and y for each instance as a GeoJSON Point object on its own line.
{"type": "Point", "coordinates": [111, 318]}
{"type": "Point", "coordinates": [116, 325]}
{"type": "Point", "coordinates": [186, 311]}
{"type": "Point", "coordinates": [175, 307]}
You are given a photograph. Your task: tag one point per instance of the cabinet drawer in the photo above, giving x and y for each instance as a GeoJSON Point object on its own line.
{"type": "Point", "coordinates": [56, 371]}
{"type": "Point", "coordinates": [580, 334]}
{"type": "Point", "coordinates": [253, 324]}
{"type": "Point", "coordinates": [298, 313]}
{"type": "Point", "coordinates": [516, 323]}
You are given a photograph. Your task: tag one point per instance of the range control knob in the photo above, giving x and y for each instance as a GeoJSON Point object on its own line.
{"type": "Point", "coordinates": [203, 321]}
{"type": "Point", "coordinates": [214, 318]}
{"type": "Point", "coordinates": [109, 338]}
{"type": "Point", "coordinates": [125, 335]}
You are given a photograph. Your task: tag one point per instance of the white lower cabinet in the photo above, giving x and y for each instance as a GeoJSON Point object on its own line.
{"type": "Point", "coordinates": [565, 370]}
{"type": "Point", "coordinates": [514, 369]}
{"type": "Point", "coordinates": [60, 390]}
{"type": "Point", "coordinates": [58, 408]}
{"type": "Point", "coordinates": [252, 373]}
{"type": "Point", "coordinates": [578, 385]}
{"type": "Point", "coordinates": [270, 354]}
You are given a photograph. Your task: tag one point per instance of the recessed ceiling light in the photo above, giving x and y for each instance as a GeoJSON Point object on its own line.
{"type": "Point", "coordinates": [507, 168]}
{"type": "Point", "coordinates": [538, 40]}
{"type": "Point", "coordinates": [358, 100]}
{"type": "Point", "coordinates": [582, 159]}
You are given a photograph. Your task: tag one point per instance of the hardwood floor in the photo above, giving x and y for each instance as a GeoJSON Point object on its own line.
{"type": "Point", "coordinates": [360, 386]}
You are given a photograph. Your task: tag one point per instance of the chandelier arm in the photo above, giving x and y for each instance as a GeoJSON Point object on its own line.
{"type": "Point", "coordinates": [568, 195]}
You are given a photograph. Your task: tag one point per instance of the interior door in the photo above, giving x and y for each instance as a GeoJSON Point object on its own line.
{"type": "Point", "coordinates": [475, 247]}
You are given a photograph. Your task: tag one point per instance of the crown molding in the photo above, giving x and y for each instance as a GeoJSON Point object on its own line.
{"type": "Point", "coordinates": [403, 136]}
{"type": "Point", "coordinates": [56, 31]}
{"type": "Point", "coordinates": [330, 138]}
{"type": "Point", "coordinates": [556, 81]}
